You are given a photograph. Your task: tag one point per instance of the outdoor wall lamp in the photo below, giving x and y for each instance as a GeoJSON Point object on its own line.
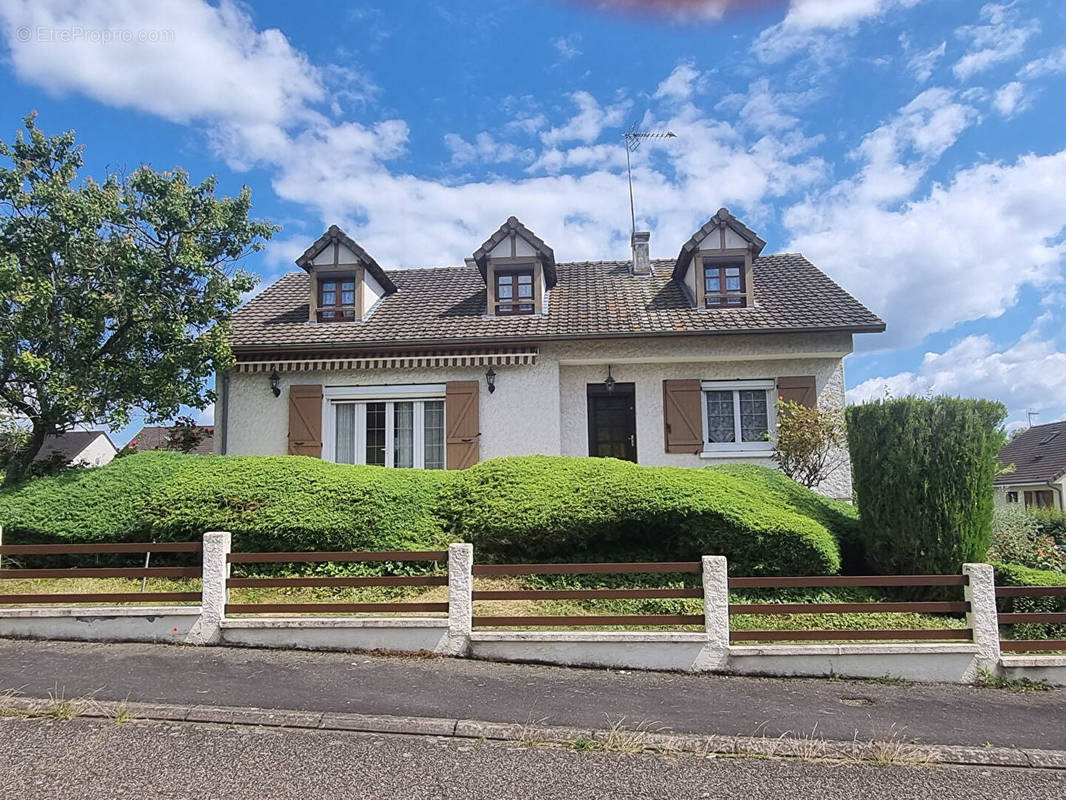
{"type": "Point", "coordinates": [275, 379]}
{"type": "Point", "coordinates": [490, 380]}
{"type": "Point", "coordinates": [610, 382]}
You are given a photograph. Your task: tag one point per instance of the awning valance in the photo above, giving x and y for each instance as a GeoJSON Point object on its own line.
{"type": "Point", "coordinates": [406, 360]}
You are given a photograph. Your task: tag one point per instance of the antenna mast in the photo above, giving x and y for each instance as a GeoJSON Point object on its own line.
{"type": "Point", "coordinates": [633, 139]}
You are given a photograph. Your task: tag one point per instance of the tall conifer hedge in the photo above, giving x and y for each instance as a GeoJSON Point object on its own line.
{"type": "Point", "coordinates": [923, 473]}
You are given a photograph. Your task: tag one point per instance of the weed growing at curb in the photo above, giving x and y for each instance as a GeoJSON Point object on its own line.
{"type": "Point", "coordinates": [990, 680]}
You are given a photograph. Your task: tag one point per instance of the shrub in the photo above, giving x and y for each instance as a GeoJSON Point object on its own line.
{"type": "Point", "coordinates": [840, 518]}
{"type": "Point", "coordinates": [268, 503]}
{"type": "Point", "coordinates": [923, 471]}
{"type": "Point", "coordinates": [809, 446]}
{"type": "Point", "coordinates": [1017, 575]}
{"type": "Point", "coordinates": [1052, 523]}
{"type": "Point", "coordinates": [1018, 538]}
{"type": "Point", "coordinates": [584, 509]}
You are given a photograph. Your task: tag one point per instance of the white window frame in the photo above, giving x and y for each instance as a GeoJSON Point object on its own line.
{"type": "Point", "coordinates": [334, 396]}
{"type": "Point", "coordinates": [712, 449]}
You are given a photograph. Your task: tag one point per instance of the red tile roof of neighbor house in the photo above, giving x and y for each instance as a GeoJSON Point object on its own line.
{"type": "Point", "coordinates": [1038, 454]}
{"type": "Point", "coordinates": [446, 305]}
{"type": "Point", "coordinates": [154, 437]}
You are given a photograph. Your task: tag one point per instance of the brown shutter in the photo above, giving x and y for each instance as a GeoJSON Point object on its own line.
{"type": "Point", "coordinates": [461, 415]}
{"type": "Point", "coordinates": [305, 421]}
{"type": "Point", "coordinates": [683, 416]}
{"type": "Point", "coordinates": [800, 390]}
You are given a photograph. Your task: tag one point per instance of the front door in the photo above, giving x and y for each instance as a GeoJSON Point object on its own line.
{"type": "Point", "coordinates": [613, 421]}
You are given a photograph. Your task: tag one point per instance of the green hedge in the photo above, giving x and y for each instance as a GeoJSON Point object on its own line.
{"type": "Point", "coordinates": [1017, 575]}
{"type": "Point", "coordinates": [535, 508]}
{"type": "Point", "coordinates": [555, 508]}
{"type": "Point", "coordinates": [923, 470]}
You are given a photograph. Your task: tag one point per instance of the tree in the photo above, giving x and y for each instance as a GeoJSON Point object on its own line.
{"type": "Point", "coordinates": [113, 295]}
{"type": "Point", "coordinates": [185, 435]}
{"type": "Point", "coordinates": [924, 470]}
{"type": "Point", "coordinates": [810, 442]}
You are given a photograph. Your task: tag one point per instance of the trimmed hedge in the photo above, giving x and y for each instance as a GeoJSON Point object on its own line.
{"type": "Point", "coordinates": [1017, 575]}
{"type": "Point", "coordinates": [588, 509]}
{"type": "Point", "coordinates": [531, 508]}
{"type": "Point", "coordinates": [923, 470]}
{"type": "Point", "coordinates": [267, 502]}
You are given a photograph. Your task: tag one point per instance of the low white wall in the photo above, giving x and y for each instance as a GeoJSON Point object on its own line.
{"type": "Point", "coordinates": [1046, 668]}
{"type": "Point", "coordinates": [338, 633]}
{"type": "Point", "coordinates": [659, 651]}
{"type": "Point", "coordinates": [947, 663]}
{"type": "Point", "coordinates": [175, 624]}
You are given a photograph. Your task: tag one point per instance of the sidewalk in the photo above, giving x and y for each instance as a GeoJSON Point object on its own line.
{"type": "Point", "coordinates": [528, 694]}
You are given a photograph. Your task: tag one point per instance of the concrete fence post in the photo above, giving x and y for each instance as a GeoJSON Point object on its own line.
{"type": "Point", "coordinates": [216, 569]}
{"type": "Point", "coordinates": [460, 598]}
{"type": "Point", "coordinates": [715, 612]}
{"type": "Point", "coordinates": [982, 617]}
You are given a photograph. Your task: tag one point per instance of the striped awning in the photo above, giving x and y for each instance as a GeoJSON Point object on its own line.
{"type": "Point", "coordinates": [409, 360]}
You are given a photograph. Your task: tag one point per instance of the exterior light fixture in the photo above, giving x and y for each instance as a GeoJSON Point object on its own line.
{"type": "Point", "coordinates": [275, 379]}
{"type": "Point", "coordinates": [610, 382]}
{"type": "Point", "coordinates": [490, 379]}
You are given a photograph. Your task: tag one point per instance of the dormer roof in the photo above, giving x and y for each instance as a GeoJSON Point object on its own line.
{"type": "Point", "coordinates": [335, 235]}
{"type": "Point", "coordinates": [514, 227]}
{"type": "Point", "coordinates": [722, 220]}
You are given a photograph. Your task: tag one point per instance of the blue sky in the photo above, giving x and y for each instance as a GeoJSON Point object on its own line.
{"type": "Point", "coordinates": [913, 149]}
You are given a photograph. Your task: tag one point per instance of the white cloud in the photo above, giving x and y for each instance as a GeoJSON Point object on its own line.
{"type": "Point", "coordinates": [1029, 373]}
{"type": "Point", "coordinates": [921, 65]}
{"type": "Point", "coordinates": [485, 149]}
{"type": "Point", "coordinates": [1001, 38]}
{"type": "Point", "coordinates": [1051, 64]}
{"type": "Point", "coordinates": [681, 84]}
{"type": "Point", "coordinates": [567, 46]}
{"type": "Point", "coordinates": [816, 26]}
{"type": "Point", "coordinates": [589, 122]}
{"type": "Point", "coordinates": [763, 110]}
{"type": "Point", "coordinates": [211, 62]}
{"type": "Point", "coordinates": [1010, 99]}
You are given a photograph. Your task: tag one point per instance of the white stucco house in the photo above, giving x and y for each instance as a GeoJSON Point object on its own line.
{"type": "Point", "coordinates": [663, 362]}
{"type": "Point", "coordinates": [79, 448]}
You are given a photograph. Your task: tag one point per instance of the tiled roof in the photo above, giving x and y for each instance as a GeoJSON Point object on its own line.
{"type": "Point", "coordinates": [154, 437]}
{"type": "Point", "coordinates": [69, 444]}
{"type": "Point", "coordinates": [1038, 454]}
{"type": "Point", "coordinates": [592, 299]}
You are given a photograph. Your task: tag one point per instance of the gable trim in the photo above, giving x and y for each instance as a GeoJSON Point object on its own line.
{"type": "Point", "coordinates": [335, 236]}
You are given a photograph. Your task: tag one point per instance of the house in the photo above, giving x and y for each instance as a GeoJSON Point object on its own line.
{"type": "Point", "coordinates": [78, 448]}
{"type": "Point", "coordinates": [663, 362]}
{"type": "Point", "coordinates": [1039, 476]}
{"type": "Point", "coordinates": [158, 437]}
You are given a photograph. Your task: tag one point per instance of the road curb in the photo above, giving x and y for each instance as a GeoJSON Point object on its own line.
{"type": "Point", "coordinates": [617, 738]}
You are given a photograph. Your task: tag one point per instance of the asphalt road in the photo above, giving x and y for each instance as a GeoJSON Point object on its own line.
{"type": "Point", "coordinates": [518, 693]}
{"type": "Point", "coordinates": [90, 759]}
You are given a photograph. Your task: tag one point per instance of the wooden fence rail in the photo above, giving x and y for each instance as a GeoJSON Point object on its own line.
{"type": "Point", "coordinates": [1030, 618]}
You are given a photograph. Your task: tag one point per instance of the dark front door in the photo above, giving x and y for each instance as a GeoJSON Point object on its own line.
{"type": "Point", "coordinates": [613, 421]}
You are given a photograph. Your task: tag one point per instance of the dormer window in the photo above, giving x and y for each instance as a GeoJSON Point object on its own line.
{"type": "Point", "coordinates": [336, 298]}
{"type": "Point", "coordinates": [716, 264]}
{"type": "Point", "coordinates": [723, 284]}
{"type": "Point", "coordinates": [514, 290]}
{"type": "Point", "coordinates": [346, 283]}
{"type": "Point", "coordinates": [518, 269]}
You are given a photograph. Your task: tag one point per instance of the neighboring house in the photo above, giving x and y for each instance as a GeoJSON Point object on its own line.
{"type": "Point", "coordinates": [1039, 476]}
{"type": "Point", "coordinates": [79, 448]}
{"type": "Point", "coordinates": [663, 362]}
{"type": "Point", "coordinates": [155, 437]}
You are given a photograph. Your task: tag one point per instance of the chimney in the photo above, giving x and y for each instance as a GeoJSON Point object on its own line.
{"type": "Point", "coordinates": [641, 259]}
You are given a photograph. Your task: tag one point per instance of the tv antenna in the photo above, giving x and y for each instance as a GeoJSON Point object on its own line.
{"type": "Point", "coordinates": [633, 139]}
{"type": "Point", "coordinates": [1030, 414]}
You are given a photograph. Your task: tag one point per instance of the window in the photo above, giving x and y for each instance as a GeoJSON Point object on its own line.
{"type": "Point", "coordinates": [1012, 497]}
{"type": "Point", "coordinates": [336, 298]}
{"type": "Point", "coordinates": [397, 426]}
{"type": "Point", "coordinates": [737, 415]}
{"type": "Point", "coordinates": [723, 285]}
{"type": "Point", "coordinates": [514, 292]}
{"type": "Point", "coordinates": [1040, 499]}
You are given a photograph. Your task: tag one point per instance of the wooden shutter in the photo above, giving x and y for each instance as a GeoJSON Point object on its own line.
{"type": "Point", "coordinates": [305, 421]}
{"type": "Point", "coordinates": [461, 415]}
{"type": "Point", "coordinates": [801, 390]}
{"type": "Point", "coordinates": [683, 416]}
